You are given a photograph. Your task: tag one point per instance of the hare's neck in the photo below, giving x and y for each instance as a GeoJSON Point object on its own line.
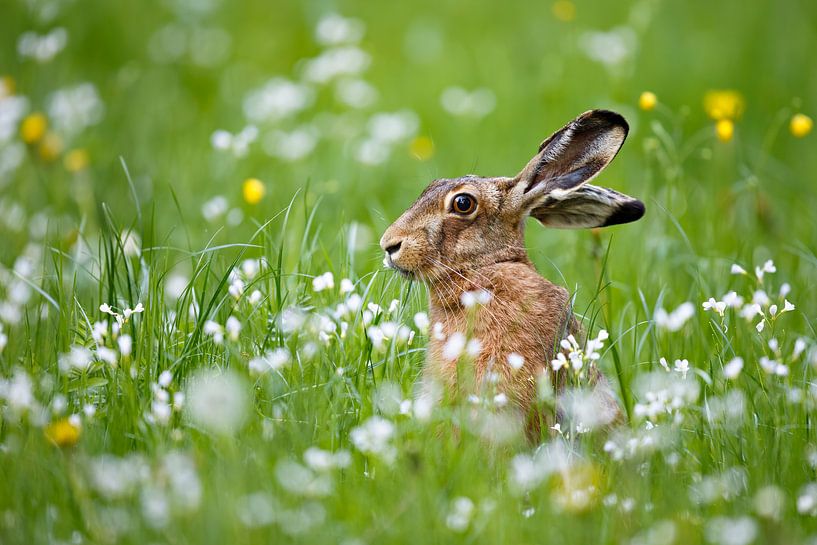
{"type": "Point", "coordinates": [446, 292]}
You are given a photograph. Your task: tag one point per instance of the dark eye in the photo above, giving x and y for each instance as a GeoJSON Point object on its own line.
{"type": "Point", "coordinates": [463, 204]}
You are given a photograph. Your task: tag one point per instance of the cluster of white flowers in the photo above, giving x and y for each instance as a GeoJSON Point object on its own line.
{"type": "Point", "coordinates": [664, 394]}
{"type": "Point", "coordinates": [760, 303]}
{"type": "Point", "coordinates": [165, 402]}
{"type": "Point", "coordinates": [578, 359]}
{"type": "Point", "coordinates": [171, 488]}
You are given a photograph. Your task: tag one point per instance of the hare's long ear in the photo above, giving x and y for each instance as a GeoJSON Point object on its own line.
{"type": "Point", "coordinates": [588, 206]}
{"type": "Point", "coordinates": [572, 156]}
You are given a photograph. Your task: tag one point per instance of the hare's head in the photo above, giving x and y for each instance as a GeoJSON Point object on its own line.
{"type": "Point", "coordinates": [462, 224]}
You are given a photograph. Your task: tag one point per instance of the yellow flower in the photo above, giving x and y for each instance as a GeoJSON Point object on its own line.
{"type": "Point", "coordinates": [564, 10]}
{"type": "Point", "coordinates": [422, 148]}
{"type": "Point", "coordinates": [577, 488]}
{"type": "Point", "coordinates": [724, 130]}
{"type": "Point", "coordinates": [725, 104]}
{"type": "Point", "coordinates": [76, 160]}
{"type": "Point", "coordinates": [800, 125]}
{"type": "Point", "coordinates": [63, 432]}
{"type": "Point", "coordinates": [50, 147]}
{"type": "Point", "coordinates": [647, 101]}
{"type": "Point", "coordinates": [7, 86]}
{"type": "Point", "coordinates": [33, 128]}
{"type": "Point", "coordinates": [253, 190]}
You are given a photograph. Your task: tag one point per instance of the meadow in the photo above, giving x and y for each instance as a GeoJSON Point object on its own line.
{"type": "Point", "coordinates": [199, 342]}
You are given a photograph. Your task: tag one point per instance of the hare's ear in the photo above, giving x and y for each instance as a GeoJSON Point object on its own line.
{"type": "Point", "coordinates": [573, 155]}
{"type": "Point", "coordinates": [586, 207]}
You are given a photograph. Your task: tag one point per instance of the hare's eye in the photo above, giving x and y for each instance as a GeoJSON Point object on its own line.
{"type": "Point", "coordinates": [463, 204]}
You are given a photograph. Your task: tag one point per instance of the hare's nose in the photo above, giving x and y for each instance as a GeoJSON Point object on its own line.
{"type": "Point", "coordinates": [392, 248]}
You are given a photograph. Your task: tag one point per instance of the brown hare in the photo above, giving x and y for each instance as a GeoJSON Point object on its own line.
{"type": "Point", "coordinates": [467, 235]}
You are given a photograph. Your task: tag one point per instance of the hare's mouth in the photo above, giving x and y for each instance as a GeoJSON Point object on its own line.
{"type": "Point", "coordinates": [405, 273]}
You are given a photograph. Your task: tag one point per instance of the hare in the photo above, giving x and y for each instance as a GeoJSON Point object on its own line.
{"type": "Point", "coordinates": [467, 234]}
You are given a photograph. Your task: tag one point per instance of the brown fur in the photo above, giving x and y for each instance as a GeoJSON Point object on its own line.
{"type": "Point", "coordinates": [484, 250]}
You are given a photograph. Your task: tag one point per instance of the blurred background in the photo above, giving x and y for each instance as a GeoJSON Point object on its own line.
{"type": "Point", "coordinates": [359, 105]}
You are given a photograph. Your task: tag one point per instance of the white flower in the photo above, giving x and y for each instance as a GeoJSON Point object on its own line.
{"type": "Point", "coordinates": [476, 104]}
{"type": "Point", "coordinates": [339, 61]}
{"type": "Point", "coordinates": [165, 378]}
{"type": "Point", "coordinates": [761, 298]}
{"type": "Point", "coordinates": [233, 328]}
{"type": "Point", "coordinates": [214, 330]}
{"type": "Point", "coordinates": [374, 437]}
{"type": "Point", "coordinates": [682, 367]}
{"type": "Point", "coordinates": [750, 311]}
{"type": "Point", "coordinates": [75, 108]}
{"type": "Point", "coordinates": [807, 500]}
{"type": "Point", "coordinates": [473, 348]}
{"type": "Point", "coordinates": [500, 399]}
{"type": "Point", "coordinates": [760, 325]}
{"type": "Point", "coordinates": [773, 367]}
{"type": "Point", "coordinates": [787, 306]}
{"type": "Point", "coordinates": [421, 322]}
{"type": "Point", "coordinates": [799, 348]}
{"type": "Point", "coordinates": [325, 281]}
{"type": "Point", "coordinates": [277, 99]}
{"type": "Point", "coordinates": [346, 286]}
{"type": "Point", "coordinates": [675, 320]}
{"type": "Point", "coordinates": [42, 48]}
{"type": "Point", "coordinates": [291, 146]}
{"type": "Point", "coordinates": [516, 361]}
{"type": "Point", "coordinates": [459, 516]}
{"type": "Point", "coordinates": [125, 343]}
{"type": "Point", "coordinates": [78, 357]}
{"type": "Point", "coordinates": [334, 29]}
{"type": "Point", "coordinates": [785, 289]}
{"type": "Point", "coordinates": [737, 269]}
{"type": "Point", "coordinates": [731, 531]}
{"type": "Point", "coordinates": [217, 401]}
{"type": "Point", "coordinates": [732, 369]}
{"type": "Point", "coordinates": [355, 93]}
{"type": "Point", "coordinates": [717, 306]}
{"type": "Point", "coordinates": [560, 362]}
{"type": "Point", "coordinates": [215, 208]}
{"type": "Point", "coordinates": [733, 300]}
{"type": "Point", "coordinates": [274, 360]}
{"type": "Point", "coordinates": [454, 346]}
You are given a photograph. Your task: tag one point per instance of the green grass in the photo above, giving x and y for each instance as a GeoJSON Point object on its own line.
{"type": "Point", "coordinates": [733, 462]}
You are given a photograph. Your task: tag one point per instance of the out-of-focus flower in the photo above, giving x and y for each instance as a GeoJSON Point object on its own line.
{"type": "Point", "coordinates": [731, 531]}
{"type": "Point", "coordinates": [42, 48]}
{"type": "Point", "coordinates": [675, 320]}
{"type": "Point", "coordinates": [345, 60]}
{"type": "Point", "coordinates": [564, 10]}
{"type": "Point", "coordinates": [76, 160]}
{"type": "Point", "coordinates": [737, 269]}
{"type": "Point", "coordinates": [477, 103]}
{"type": "Point", "coordinates": [374, 437]}
{"type": "Point", "coordinates": [277, 99]}
{"type": "Point", "coordinates": [64, 432]}
{"type": "Point", "coordinates": [355, 93]}
{"type": "Point", "coordinates": [422, 148]}
{"type": "Point", "coordinates": [732, 369]}
{"type": "Point", "coordinates": [291, 146]}
{"type": "Point", "coordinates": [334, 29]}
{"type": "Point", "coordinates": [238, 144]}
{"type": "Point", "coordinates": [610, 48]}
{"type": "Point", "coordinates": [725, 104]}
{"type": "Point", "coordinates": [253, 190]}
{"type": "Point", "coordinates": [647, 101]}
{"type": "Point", "coordinates": [724, 129]}
{"type": "Point", "coordinates": [73, 109]}
{"type": "Point", "coordinates": [217, 401]}
{"type": "Point", "coordinates": [800, 125]}
{"type": "Point", "coordinates": [459, 516]}
{"type": "Point", "coordinates": [717, 306]}
{"type": "Point", "coordinates": [33, 128]}
{"type": "Point", "coordinates": [325, 281]}
{"type": "Point", "coordinates": [577, 488]}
